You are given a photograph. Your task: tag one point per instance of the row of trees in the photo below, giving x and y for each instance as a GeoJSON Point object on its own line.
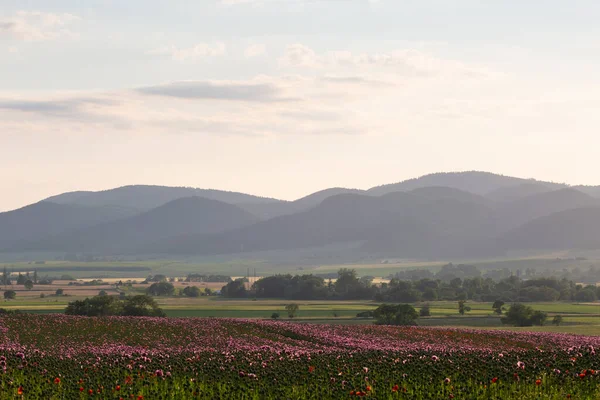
{"type": "Point", "coordinates": [404, 314]}
{"type": "Point", "coordinates": [101, 306]}
{"type": "Point", "coordinates": [165, 288]}
{"type": "Point", "coordinates": [349, 286]}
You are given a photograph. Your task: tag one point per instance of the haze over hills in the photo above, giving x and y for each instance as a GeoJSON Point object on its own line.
{"type": "Point", "coordinates": [45, 218]}
{"type": "Point", "coordinates": [186, 216]}
{"type": "Point", "coordinates": [147, 197]}
{"type": "Point", "coordinates": [439, 215]}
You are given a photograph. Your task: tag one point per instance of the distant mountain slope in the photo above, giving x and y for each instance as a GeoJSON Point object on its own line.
{"type": "Point", "coordinates": [516, 192]}
{"type": "Point", "coordinates": [191, 215]}
{"type": "Point", "coordinates": [146, 197]}
{"type": "Point", "coordinates": [355, 217]}
{"type": "Point", "coordinates": [473, 181]}
{"type": "Point", "coordinates": [521, 211]}
{"type": "Point", "coordinates": [570, 229]}
{"type": "Point", "coordinates": [45, 218]}
{"type": "Point", "coordinates": [593, 191]}
{"type": "Point", "coordinates": [270, 210]}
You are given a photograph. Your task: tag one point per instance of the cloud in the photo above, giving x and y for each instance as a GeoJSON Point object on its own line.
{"type": "Point", "coordinates": [255, 50]}
{"type": "Point", "coordinates": [217, 90]}
{"type": "Point", "coordinates": [199, 51]}
{"type": "Point", "coordinates": [403, 62]}
{"type": "Point", "coordinates": [299, 55]}
{"type": "Point", "coordinates": [34, 26]}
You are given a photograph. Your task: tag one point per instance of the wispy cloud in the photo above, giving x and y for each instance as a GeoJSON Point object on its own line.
{"type": "Point", "coordinates": [217, 90]}
{"type": "Point", "coordinates": [199, 51]}
{"type": "Point", "coordinates": [37, 26]}
{"type": "Point", "coordinates": [255, 50]}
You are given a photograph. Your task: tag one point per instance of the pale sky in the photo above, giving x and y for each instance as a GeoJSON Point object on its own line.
{"type": "Point", "coordinates": [283, 98]}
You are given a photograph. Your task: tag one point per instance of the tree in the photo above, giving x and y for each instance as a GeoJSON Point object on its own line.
{"type": "Point", "coordinates": [557, 320]}
{"type": "Point", "coordinates": [59, 292]}
{"type": "Point", "coordinates": [521, 315]}
{"type": "Point", "coordinates": [142, 306]}
{"type": "Point", "coordinates": [161, 289]}
{"type": "Point", "coordinates": [35, 277]}
{"type": "Point", "coordinates": [236, 289]}
{"type": "Point", "coordinates": [191, 291]}
{"type": "Point", "coordinates": [498, 307]}
{"type": "Point", "coordinates": [275, 315]}
{"type": "Point", "coordinates": [5, 277]}
{"type": "Point", "coordinates": [425, 311]}
{"type": "Point", "coordinates": [20, 279]}
{"type": "Point", "coordinates": [10, 295]}
{"type": "Point", "coordinates": [28, 284]}
{"type": "Point", "coordinates": [100, 306]}
{"type": "Point", "coordinates": [462, 308]}
{"type": "Point", "coordinates": [102, 293]}
{"type": "Point", "coordinates": [539, 318]}
{"type": "Point", "coordinates": [391, 314]}
{"type": "Point", "coordinates": [292, 309]}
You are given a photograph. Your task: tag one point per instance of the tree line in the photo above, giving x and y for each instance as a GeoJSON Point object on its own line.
{"type": "Point", "coordinates": [349, 286]}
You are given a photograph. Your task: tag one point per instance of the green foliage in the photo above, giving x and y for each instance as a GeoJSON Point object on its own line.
{"type": "Point", "coordinates": [275, 315]}
{"type": "Point", "coordinates": [292, 309]}
{"type": "Point", "coordinates": [498, 307]}
{"type": "Point", "coordinates": [235, 289]}
{"type": "Point", "coordinates": [557, 320]}
{"type": "Point", "coordinates": [192, 291]}
{"type": "Point", "coordinates": [59, 292]}
{"type": "Point", "coordinates": [463, 308]}
{"type": "Point", "coordinates": [395, 314]}
{"type": "Point", "coordinates": [522, 315]}
{"type": "Point", "coordinates": [28, 284]}
{"type": "Point", "coordinates": [425, 311]}
{"type": "Point", "coordinates": [102, 306]}
{"type": "Point", "coordinates": [162, 288]}
{"type": "Point", "coordinates": [10, 295]}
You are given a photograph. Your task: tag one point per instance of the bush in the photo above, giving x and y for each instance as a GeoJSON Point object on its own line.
{"type": "Point", "coordinates": [292, 309]}
{"type": "Point", "coordinates": [101, 306]}
{"type": "Point", "coordinates": [391, 314]}
{"type": "Point", "coordinates": [557, 320]}
{"type": "Point", "coordinates": [425, 311]}
{"type": "Point", "coordinates": [192, 291]}
{"type": "Point", "coordinates": [365, 314]}
{"type": "Point", "coordinates": [161, 289]}
{"type": "Point", "coordinates": [10, 294]}
{"type": "Point", "coordinates": [521, 315]}
{"type": "Point", "coordinates": [275, 315]}
{"type": "Point", "coordinates": [59, 292]}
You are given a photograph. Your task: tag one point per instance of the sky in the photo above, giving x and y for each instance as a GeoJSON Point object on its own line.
{"type": "Point", "coordinates": [282, 98]}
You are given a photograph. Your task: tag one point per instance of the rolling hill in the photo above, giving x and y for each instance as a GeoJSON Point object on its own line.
{"type": "Point", "coordinates": [354, 217]}
{"type": "Point", "coordinates": [190, 215]}
{"type": "Point", "coordinates": [476, 182]}
{"type": "Point", "coordinates": [570, 229]}
{"type": "Point", "coordinates": [145, 197]}
{"type": "Point", "coordinates": [42, 219]}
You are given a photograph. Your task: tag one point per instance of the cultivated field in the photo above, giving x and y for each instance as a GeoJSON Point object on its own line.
{"type": "Point", "coordinates": [62, 357]}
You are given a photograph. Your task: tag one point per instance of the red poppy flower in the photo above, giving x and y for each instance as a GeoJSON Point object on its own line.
{"type": "Point", "coordinates": [538, 382]}
{"type": "Point", "coordinates": [494, 380]}
{"type": "Point", "coordinates": [118, 387]}
{"type": "Point", "coordinates": [91, 392]}
{"type": "Point", "coordinates": [395, 388]}
{"type": "Point", "coordinates": [20, 390]}
{"type": "Point", "coordinates": [81, 389]}
{"type": "Point", "coordinates": [57, 380]}
{"type": "Point", "coordinates": [581, 376]}
{"type": "Point", "coordinates": [368, 388]}
{"type": "Point", "coordinates": [311, 369]}
{"type": "Point", "coordinates": [140, 397]}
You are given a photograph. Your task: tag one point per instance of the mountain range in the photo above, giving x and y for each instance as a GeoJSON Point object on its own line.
{"type": "Point", "coordinates": [459, 214]}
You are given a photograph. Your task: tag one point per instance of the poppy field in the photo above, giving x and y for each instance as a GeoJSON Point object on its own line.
{"type": "Point", "coordinates": [69, 357]}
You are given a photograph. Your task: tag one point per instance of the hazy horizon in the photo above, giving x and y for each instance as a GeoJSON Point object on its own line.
{"type": "Point", "coordinates": [283, 98]}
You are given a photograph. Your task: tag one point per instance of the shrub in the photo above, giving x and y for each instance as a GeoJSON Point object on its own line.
{"type": "Point", "coordinates": [10, 294]}
{"type": "Point", "coordinates": [392, 314]}
{"type": "Point", "coordinates": [425, 311]}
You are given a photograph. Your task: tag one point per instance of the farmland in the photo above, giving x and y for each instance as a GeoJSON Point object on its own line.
{"type": "Point", "coordinates": [66, 357]}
